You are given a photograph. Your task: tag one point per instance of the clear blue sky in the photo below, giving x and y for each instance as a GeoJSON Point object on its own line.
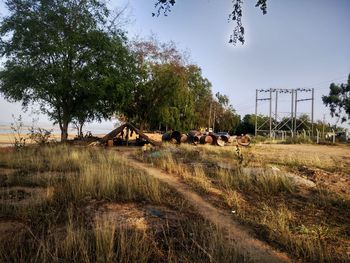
{"type": "Point", "coordinates": [297, 44]}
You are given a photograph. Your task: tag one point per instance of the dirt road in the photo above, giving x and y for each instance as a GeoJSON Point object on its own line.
{"type": "Point", "coordinates": [257, 250]}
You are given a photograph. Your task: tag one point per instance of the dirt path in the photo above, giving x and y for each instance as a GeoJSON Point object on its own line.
{"type": "Point", "coordinates": [256, 249]}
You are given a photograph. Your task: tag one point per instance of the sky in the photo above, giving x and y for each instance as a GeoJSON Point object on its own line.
{"type": "Point", "coordinates": [296, 44]}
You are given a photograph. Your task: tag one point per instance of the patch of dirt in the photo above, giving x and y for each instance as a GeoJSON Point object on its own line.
{"type": "Point", "coordinates": [335, 182]}
{"type": "Point", "coordinates": [25, 195]}
{"type": "Point", "coordinates": [137, 216]}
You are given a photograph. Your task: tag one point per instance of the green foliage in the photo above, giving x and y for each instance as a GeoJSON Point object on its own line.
{"type": "Point", "coordinates": [338, 100]}
{"type": "Point", "coordinates": [201, 95]}
{"type": "Point", "coordinates": [298, 139]}
{"type": "Point", "coordinates": [225, 115]}
{"type": "Point", "coordinates": [247, 124]}
{"type": "Point", "coordinates": [169, 93]}
{"type": "Point", "coordinates": [66, 57]}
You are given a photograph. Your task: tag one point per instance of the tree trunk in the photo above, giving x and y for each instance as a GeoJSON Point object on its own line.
{"type": "Point", "coordinates": [81, 124]}
{"type": "Point", "coordinates": [64, 132]}
{"type": "Point", "coordinates": [142, 126]}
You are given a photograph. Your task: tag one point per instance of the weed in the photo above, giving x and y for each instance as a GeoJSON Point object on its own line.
{"type": "Point", "coordinates": [17, 127]}
{"type": "Point", "coordinates": [239, 156]}
{"type": "Point", "coordinates": [233, 199]}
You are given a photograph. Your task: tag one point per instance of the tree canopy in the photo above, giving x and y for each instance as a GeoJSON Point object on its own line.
{"type": "Point", "coordinates": [169, 92]}
{"type": "Point", "coordinates": [65, 56]}
{"type": "Point", "coordinates": [338, 100]}
{"type": "Point", "coordinates": [164, 6]}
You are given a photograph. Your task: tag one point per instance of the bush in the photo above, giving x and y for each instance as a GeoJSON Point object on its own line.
{"type": "Point", "coordinates": [299, 139]}
{"type": "Point", "coordinates": [39, 135]}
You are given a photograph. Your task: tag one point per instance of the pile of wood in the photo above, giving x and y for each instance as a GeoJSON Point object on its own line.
{"type": "Point", "coordinates": [122, 134]}
{"type": "Point", "coordinates": [195, 137]}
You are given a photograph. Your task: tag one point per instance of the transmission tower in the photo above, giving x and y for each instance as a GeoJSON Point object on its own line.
{"type": "Point", "coordinates": [283, 122]}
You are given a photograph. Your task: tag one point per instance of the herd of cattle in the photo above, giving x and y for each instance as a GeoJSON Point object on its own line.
{"type": "Point", "coordinates": [195, 137]}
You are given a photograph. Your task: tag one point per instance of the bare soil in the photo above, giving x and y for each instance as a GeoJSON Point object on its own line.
{"type": "Point", "coordinates": [137, 216]}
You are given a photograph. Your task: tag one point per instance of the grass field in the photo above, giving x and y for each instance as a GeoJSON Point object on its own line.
{"type": "Point", "coordinates": [296, 197]}
{"type": "Point", "coordinates": [70, 204]}
{"type": "Point", "coordinates": [61, 203]}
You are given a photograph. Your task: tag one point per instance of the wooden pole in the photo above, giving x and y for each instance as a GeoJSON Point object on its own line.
{"type": "Point", "coordinates": [127, 136]}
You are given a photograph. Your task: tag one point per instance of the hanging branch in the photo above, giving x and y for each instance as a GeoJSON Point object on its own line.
{"type": "Point", "coordinates": [164, 7]}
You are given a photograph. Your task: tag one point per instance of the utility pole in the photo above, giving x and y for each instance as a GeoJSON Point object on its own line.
{"type": "Point", "coordinates": [276, 107]}
{"type": "Point", "coordinates": [312, 111]}
{"type": "Point", "coordinates": [292, 113]}
{"type": "Point", "coordinates": [324, 123]}
{"type": "Point", "coordinates": [256, 112]}
{"type": "Point", "coordinates": [295, 111]}
{"type": "Point", "coordinates": [214, 119]}
{"type": "Point", "coordinates": [209, 116]}
{"type": "Point", "coordinates": [270, 114]}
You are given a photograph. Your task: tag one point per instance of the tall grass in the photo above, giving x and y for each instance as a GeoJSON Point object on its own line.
{"type": "Point", "coordinates": [280, 227]}
{"type": "Point", "coordinates": [60, 158]}
{"type": "Point", "coordinates": [260, 182]}
{"type": "Point", "coordinates": [195, 176]}
{"type": "Point", "coordinates": [110, 178]}
{"type": "Point", "coordinates": [62, 229]}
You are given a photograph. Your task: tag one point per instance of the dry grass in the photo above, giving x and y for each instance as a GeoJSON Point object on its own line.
{"type": "Point", "coordinates": [304, 242]}
{"type": "Point", "coordinates": [259, 182]}
{"type": "Point", "coordinates": [233, 199]}
{"type": "Point", "coordinates": [313, 228]}
{"type": "Point", "coordinates": [329, 158]}
{"type": "Point", "coordinates": [194, 176]}
{"type": "Point", "coordinates": [60, 228]}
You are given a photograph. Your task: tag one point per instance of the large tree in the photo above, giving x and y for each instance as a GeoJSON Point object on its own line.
{"type": "Point", "coordinates": [338, 100]}
{"type": "Point", "coordinates": [164, 6]}
{"type": "Point", "coordinates": [226, 118]}
{"type": "Point", "coordinates": [159, 96]}
{"type": "Point", "coordinates": [201, 95]}
{"type": "Point", "coordinates": [65, 56]}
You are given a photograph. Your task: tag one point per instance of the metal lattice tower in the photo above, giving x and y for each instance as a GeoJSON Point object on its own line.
{"type": "Point", "coordinates": [283, 122]}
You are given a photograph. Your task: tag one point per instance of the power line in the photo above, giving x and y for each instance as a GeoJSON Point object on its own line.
{"type": "Point", "coordinates": [325, 81]}
{"type": "Point", "coordinates": [301, 87]}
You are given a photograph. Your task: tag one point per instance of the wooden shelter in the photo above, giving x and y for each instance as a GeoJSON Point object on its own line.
{"type": "Point", "coordinates": [130, 128]}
